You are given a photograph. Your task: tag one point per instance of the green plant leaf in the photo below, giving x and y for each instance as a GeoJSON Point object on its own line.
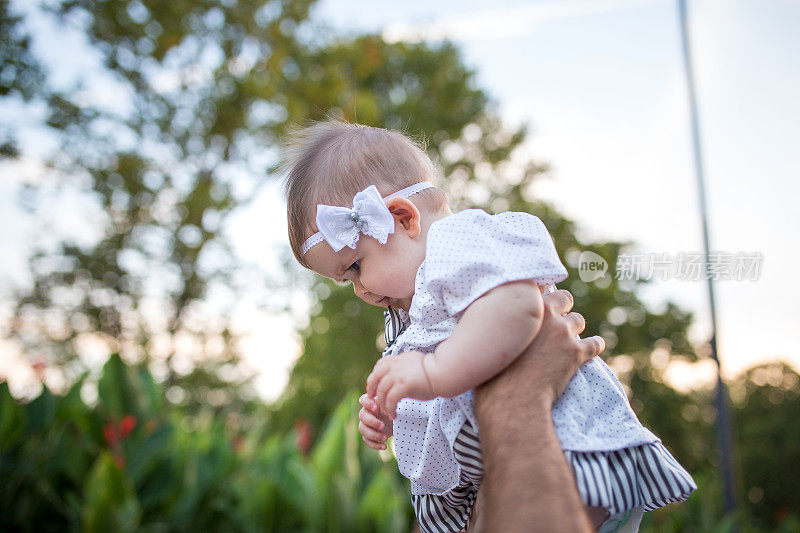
{"type": "Point", "coordinates": [110, 502]}
{"type": "Point", "coordinates": [12, 419]}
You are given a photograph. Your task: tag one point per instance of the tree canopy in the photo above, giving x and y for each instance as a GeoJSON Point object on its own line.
{"type": "Point", "coordinates": [201, 95]}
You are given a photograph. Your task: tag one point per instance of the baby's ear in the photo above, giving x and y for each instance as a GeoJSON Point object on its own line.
{"type": "Point", "coordinates": [406, 215]}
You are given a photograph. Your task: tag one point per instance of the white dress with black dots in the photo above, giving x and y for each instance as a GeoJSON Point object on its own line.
{"type": "Point", "coordinates": [619, 464]}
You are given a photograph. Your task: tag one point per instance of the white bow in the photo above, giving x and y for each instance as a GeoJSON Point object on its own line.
{"type": "Point", "coordinates": [342, 227]}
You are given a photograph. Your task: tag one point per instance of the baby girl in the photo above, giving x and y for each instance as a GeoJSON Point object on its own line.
{"type": "Point", "coordinates": [464, 292]}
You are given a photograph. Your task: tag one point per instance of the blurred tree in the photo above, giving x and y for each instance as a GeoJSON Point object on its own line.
{"type": "Point", "coordinates": [768, 399]}
{"type": "Point", "coordinates": [684, 421]}
{"type": "Point", "coordinates": [173, 132]}
{"type": "Point", "coordinates": [20, 73]}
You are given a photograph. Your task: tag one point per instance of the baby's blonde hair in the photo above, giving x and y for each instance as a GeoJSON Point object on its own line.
{"type": "Point", "coordinates": [330, 161]}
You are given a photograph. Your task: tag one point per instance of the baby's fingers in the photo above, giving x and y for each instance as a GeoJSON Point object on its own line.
{"type": "Point", "coordinates": [384, 386]}
{"type": "Point", "coordinates": [375, 377]}
{"type": "Point", "coordinates": [367, 433]}
{"type": "Point", "coordinates": [368, 403]}
{"type": "Point", "coordinates": [375, 445]}
{"type": "Point", "coordinates": [370, 420]}
{"type": "Point", "coordinates": [392, 398]}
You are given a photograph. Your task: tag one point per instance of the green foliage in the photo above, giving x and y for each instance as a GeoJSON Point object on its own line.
{"type": "Point", "coordinates": [67, 466]}
{"type": "Point", "coordinates": [764, 399]}
{"type": "Point", "coordinates": [110, 503]}
{"type": "Point", "coordinates": [768, 401]}
{"type": "Point", "coordinates": [340, 349]}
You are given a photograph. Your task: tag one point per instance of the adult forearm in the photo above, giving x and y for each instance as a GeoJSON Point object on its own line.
{"type": "Point", "coordinates": [527, 484]}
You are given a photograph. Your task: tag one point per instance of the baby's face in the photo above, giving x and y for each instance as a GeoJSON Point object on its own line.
{"type": "Point", "coordinates": [381, 274]}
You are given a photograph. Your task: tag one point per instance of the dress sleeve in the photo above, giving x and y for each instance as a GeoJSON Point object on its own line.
{"type": "Point", "coordinates": [472, 252]}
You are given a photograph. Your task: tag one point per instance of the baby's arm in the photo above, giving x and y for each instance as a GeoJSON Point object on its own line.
{"type": "Point", "coordinates": [490, 334]}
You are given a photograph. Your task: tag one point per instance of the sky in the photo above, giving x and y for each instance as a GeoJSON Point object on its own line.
{"type": "Point", "coordinates": [602, 86]}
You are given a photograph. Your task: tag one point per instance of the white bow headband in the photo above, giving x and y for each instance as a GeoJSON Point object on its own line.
{"type": "Point", "coordinates": [342, 226]}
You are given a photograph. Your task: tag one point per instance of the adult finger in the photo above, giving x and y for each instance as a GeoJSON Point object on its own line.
{"type": "Point", "coordinates": [370, 420]}
{"type": "Point", "coordinates": [592, 346]}
{"type": "Point", "coordinates": [560, 301]}
{"type": "Point", "coordinates": [370, 433]}
{"type": "Point", "coordinates": [576, 322]}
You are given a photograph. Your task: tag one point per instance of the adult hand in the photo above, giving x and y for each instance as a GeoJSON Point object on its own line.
{"type": "Point", "coordinates": [547, 366]}
{"type": "Point", "coordinates": [528, 485]}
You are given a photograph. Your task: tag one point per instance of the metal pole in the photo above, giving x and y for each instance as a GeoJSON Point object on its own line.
{"type": "Point", "coordinates": [723, 426]}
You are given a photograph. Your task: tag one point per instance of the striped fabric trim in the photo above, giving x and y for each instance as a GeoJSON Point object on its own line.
{"type": "Point", "coordinates": [451, 512]}
{"type": "Point", "coordinates": [394, 326]}
{"type": "Point", "coordinates": [467, 451]}
{"type": "Point", "coordinates": [643, 476]}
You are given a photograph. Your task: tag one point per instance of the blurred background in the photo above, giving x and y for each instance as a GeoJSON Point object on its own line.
{"type": "Point", "coordinates": [164, 364]}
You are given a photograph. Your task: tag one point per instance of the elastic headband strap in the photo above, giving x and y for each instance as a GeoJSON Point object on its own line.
{"type": "Point", "coordinates": [403, 193]}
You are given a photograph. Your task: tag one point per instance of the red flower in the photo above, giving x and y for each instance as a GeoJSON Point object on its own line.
{"type": "Point", "coordinates": [110, 434]}
{"type": "Point", "coordinates": [303, 438]}
{"type": "Point", "coordinates": [127, 425]}
{"type": "Point", "coordinates": [114, 433]}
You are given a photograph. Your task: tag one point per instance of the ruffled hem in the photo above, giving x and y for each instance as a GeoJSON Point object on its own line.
{"type": "Point", "coordinates": [449, 513]}
{"type": "Point", "coordinates": [641, 476]}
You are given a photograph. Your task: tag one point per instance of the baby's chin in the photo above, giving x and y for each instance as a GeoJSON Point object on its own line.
{"type": "Point", "coordinates": [401, 303]}
{"type": "Point", "coordinates": [386, 302]}
{"type": "Point", "coordinates": [383, 302]}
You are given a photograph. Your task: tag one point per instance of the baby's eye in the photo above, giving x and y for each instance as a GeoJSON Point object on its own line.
{"type": "Point", "coordinates": [354, 266]}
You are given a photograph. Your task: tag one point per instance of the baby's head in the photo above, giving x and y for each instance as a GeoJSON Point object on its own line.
{"type": "Point", "coordinates": [329, 163]}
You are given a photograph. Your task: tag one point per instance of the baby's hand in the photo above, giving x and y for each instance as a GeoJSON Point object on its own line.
{"type": "Point", "coordinates": [375, 427]}
{"type": "Point", "coordinates": [396, 377]}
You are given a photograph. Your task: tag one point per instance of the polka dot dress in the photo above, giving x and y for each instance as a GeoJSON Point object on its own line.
{"type": "Point", "coordinates": [468, 254]}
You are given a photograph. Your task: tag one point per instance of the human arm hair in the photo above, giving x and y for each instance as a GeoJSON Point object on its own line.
{"type": "Point", "coordinates": [527, 484]}
{"type": "Point", "coordinates": [490, 334]}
